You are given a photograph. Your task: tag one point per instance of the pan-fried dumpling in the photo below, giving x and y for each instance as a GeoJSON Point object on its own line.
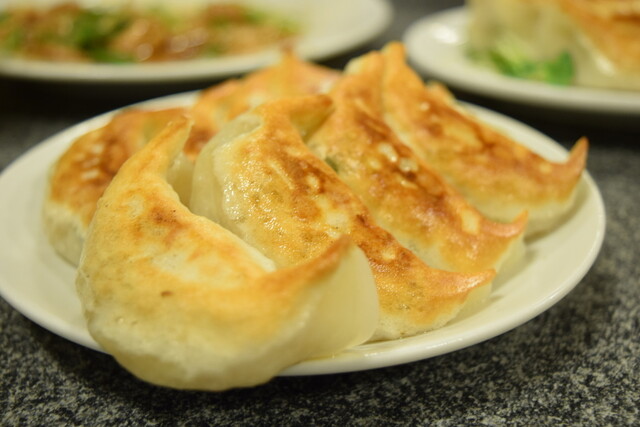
{"type": "Point", "coordinates": [86, 168]}
{"type": "Point", "coordinates": [180, 301]}
{"type": "Point", "coordinates": [402, 193]}
{"type": "Point", "coordinates": [79, 177]}
{"type": "Point", "coordinates": [259, 179]}
{"type": "Point", "coordinates": [220, 104]}
{"type": "Point", "coordinates": [492, 171]}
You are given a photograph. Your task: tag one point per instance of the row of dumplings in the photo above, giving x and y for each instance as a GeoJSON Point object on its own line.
{"type": "Point", "coordinates": [291, 214]}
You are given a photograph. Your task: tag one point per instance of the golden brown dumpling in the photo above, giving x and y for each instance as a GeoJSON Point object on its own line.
{"type": "Point", "coordinates": [408, 199]}
{"type": "Point", "coordinates": [492, 171]}
{"type": "Point", "coordinates": [180, 301]}
{"type": "Point", "coordinates": [78, 179]}
{"type": "Point", "coordinates": [220, 104]}
{"type": "Point", "coordinates": [86, 168]}
{"type": "Point", "coordinates": [259, 179]}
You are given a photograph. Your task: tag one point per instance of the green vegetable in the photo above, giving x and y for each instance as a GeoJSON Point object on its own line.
{"type": "Point", "coordinates": [11, 35]}
{"type": "Point", "coordinates": [332, 163]}
{"type": "Point", "coordinates": [93, 30]}
{"type": "Point", "coordinates": [13, 40]}
{"type": "Point", "coordinates": [110, 56]}
{"type": "Point", "coordinates": [255, 16]}
{"type": "Point", "coordinates": [212, 50]}
{"type": "Point", "coordinates": [507, 57]}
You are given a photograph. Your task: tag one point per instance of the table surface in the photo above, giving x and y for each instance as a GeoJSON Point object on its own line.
{"type": "Point", "coordinates": [575, 364]}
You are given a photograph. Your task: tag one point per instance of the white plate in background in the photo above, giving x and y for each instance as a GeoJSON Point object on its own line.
{"type": "Point", "coordinates": [437, 46]}
{"type": "Point", "coordinates": [40, 285]}
{"type": "Point", "coordinates": [331, 27]}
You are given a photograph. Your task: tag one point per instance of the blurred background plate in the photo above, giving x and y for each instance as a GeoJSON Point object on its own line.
{"type": "Point", "coordinates": [437, 47]}
{"type": "Point", "coordinates": [330, 27]}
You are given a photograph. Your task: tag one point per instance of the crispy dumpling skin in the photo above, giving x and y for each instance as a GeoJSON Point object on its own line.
{"type": "Point", "coordinates": [499, 176]}
{"type": "Point", "coordinates": [80, 176]}
{"type": "Point", "coordinates": [402, 193]}
{"type": "Point", "coordinates": [180, 301]}
{"type": "Point", "coordinates": [86, 168]}
{"type": "Point", "coordinates": [274, 193]}
{"type": "Point", "coordinates": [291, 76]}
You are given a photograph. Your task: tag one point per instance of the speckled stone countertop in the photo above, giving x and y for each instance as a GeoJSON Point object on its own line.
{"type": "Point", "coordinates": [577, 363]}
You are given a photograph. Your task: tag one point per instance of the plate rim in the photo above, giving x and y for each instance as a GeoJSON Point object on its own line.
{"type": "Point", "coordinates": [363, 357]}
{"type": "Point", "coordinates": [462, 73]}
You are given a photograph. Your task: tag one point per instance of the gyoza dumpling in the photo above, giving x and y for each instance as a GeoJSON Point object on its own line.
{"type": "Point", "coordinates": [220, 104]}
{"type": "Point", "coordinates": [79, 177]}
{"type": "Point", "coordinates": [496, 174]}
{"type": "Point", "coordinates": [180, 301]}
{"type": "Point", "coordinates": [259, 179]}
{"type": "Point", "coordinates": [402, 193]}
{"type": "Point", "coordinates": [86, 168]}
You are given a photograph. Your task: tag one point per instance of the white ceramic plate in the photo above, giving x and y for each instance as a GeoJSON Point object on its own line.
{"type": "Point", "coordinates": [331, 27]}
{"type": "Point", "coordinates": [35, 281]}
{"type": "Point", "coordinates": [437, 45]}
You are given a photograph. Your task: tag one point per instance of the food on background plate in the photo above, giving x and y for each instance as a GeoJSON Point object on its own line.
{"type": "Point", "coordinates": [111, 33]}
{"type": "Point", "coordinates": [263, 180]}
{"type": "Point", "coordinates": [593, 43]}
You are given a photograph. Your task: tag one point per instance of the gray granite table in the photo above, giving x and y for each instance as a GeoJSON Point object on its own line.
{"type": "Point", "coordinates": [575, 364]}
